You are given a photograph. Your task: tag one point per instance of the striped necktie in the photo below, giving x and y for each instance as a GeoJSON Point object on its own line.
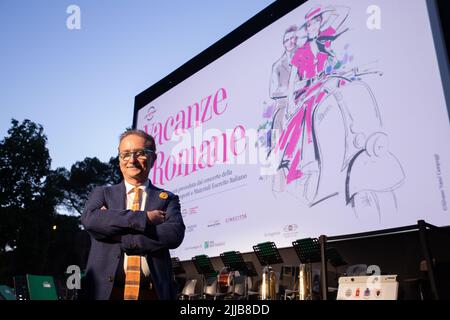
{"type": "Point", "coordinates": [133, 272]}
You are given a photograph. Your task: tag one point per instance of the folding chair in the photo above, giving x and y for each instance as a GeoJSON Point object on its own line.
{"type": "Point", "coordinates": [41, 287]}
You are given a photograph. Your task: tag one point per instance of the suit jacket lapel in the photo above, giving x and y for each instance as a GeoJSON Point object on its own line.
{"type": "Point", "coordinates": [154, 202]}
{"type": "Point", "coordinates": [117, 197]}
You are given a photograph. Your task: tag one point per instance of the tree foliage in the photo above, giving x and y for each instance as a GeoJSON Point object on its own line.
{"type": "Point", "coordinates": [34, 238]}
{"type": "Point", "coordinates": [24, 164]}
{"type": "Point", "coordinates": [83, 177]}
{"type": "Point", "coordinates": [27, 199]}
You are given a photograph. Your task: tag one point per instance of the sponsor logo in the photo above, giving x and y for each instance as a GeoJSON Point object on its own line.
{"type": "Point", "coordinates": [150, 113]}
{"type": "Point", "coordinates": [191, 227]}
{"type": "Point", "coordinates": [193, 210]}
{"type": "Point", "coordinates": [290, 228]}
{"type": "Point", "coordinates": [189, 211]}
{"type": "Point", "coordinates": [193, 247]}
{"type": "Point", "coordinates": [213, 223]}
{"type": "Point", "coordinates": [236, 218]}
{"type": "Point", "coordinates": [272, 234]}
{"type": "Point", "coordinates": [211, 244]}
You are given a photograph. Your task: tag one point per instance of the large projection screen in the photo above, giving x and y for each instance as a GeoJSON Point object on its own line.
{"type": "Point", "coordinates": [331, 119]}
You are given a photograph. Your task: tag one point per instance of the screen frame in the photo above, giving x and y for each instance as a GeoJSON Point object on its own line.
{"type": "Point", "coordinates": [440, 29]}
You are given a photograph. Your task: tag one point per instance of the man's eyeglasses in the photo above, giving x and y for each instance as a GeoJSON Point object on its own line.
{"type": "Point", "coordinates": [139, 154]}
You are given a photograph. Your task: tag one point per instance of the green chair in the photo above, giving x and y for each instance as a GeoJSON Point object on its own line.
{"type": "Point", "coordinates": [41, 287]}
{"type": "Point", "coordinates": [6, 293]}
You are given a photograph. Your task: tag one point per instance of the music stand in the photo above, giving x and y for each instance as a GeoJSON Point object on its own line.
{"type": "Point", "coordinates": [177, 267]}
{"type": "Point", "coordinates": [334, 258]}
{"type": "Point", "coordinates": [308, 251]}
{"type": "Point", "coordinates": [233, 261]}
{"type": "Point", "coordinates": [267, 253]}
{"type": "Point", "coordinates": [251, 269]}
{"type": "Point", "coordinates": [204, 267]}
{"type": "Point", "coordinates": [177, 270]}
{"type": "Point", "coordinates": [251, 273]}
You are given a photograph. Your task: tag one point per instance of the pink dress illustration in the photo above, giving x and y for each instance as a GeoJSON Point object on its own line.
{"type": "Point", "coordinates": [324, 92]}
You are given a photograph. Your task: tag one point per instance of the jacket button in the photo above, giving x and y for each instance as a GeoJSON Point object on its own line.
{"type": "Point", "coordinates": [118, 257]}
{"type": "Point", "coordinates": [110, 279]}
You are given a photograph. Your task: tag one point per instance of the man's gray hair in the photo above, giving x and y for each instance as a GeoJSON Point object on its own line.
{"type": "Point", "coordinates": [149, 140]}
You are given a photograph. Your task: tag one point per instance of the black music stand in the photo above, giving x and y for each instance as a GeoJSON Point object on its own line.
{"type": "Point", "coordinates": [234, 261]}
{"type": "Point", "coordinates": [177, 267]}
{"type": "Point", "coordinates": [308, 251]}
{"type": "Point", "coordinates": [267, 253]}
{"type": "Point", "coordinates": [204, 267]}
{"type": "Point", "coordinates": [251, 273]}
{"type": "Point", "coordinates": [334, 258]}
{"type": "Point", "coordinates": [177, 270]}
{"type": "Point", "coordinates": [251, 269]}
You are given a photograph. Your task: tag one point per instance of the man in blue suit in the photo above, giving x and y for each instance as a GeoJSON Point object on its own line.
{"type": "Point", "coordinates": [132, 222]}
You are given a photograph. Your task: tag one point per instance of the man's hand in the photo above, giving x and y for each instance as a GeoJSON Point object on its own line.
{"type": "Point", "coordinates": [156, 216]}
